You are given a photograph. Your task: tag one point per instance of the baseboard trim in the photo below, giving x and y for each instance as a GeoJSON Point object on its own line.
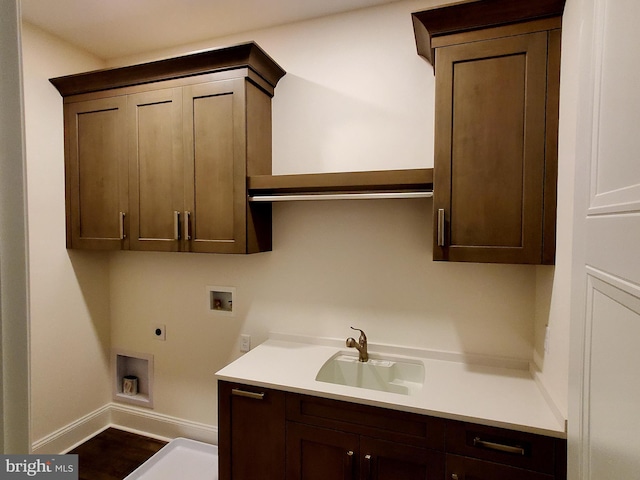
{"type": "Point", "coordinates": [73, 434]}
{"type": "Point", "coordinates": [157, 425]}
{"type": "Point", "coordinates": [124, 417]}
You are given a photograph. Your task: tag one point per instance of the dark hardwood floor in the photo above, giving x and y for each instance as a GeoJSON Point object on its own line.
{"type": "Point", "coordinates": [114, 454]}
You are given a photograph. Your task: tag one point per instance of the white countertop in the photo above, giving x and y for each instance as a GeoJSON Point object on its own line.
{"type": "Point", "coordinates": [496, 393]}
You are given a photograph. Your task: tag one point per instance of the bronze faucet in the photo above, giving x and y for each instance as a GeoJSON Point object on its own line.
{"type": "Point", "coordinates": [360, 345]}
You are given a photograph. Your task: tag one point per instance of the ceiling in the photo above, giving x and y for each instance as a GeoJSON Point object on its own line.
{"type": "Point", "coordinates": [117, 28]}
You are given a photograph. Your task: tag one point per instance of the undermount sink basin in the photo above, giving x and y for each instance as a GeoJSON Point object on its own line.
{"type": "Point", "coordinates": [386, 374]}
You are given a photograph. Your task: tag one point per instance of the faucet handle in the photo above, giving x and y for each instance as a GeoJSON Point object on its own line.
{"type": "Point", "coordinates": [363, 337]}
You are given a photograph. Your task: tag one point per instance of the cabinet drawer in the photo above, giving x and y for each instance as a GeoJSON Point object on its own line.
{"type": "Point", "coordinates": [395, 426]}
{"type": "Point", "coordinates": [463, 468]}
{"type": "Point", "coordinates": [518, 449]}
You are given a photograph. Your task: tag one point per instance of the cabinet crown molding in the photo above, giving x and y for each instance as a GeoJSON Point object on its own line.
{"type": "Point", "coordinates": [474, 15]}
{"type": "Point", "coordinates": [245, 55]}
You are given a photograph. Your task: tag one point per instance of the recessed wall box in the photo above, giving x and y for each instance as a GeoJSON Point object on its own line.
{"type": "Point", "coordinates": [130, 364]}
{"type": "Point", "coordinates": [220, 300]}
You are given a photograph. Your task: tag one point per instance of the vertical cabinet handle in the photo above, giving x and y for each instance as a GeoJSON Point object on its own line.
{"type": "Point", "coordinates": [441, 227]}
{"type": "Point", "coordinates": [187, 219]}
{"type": "Point", "coordinates": [122, 234]}
{"type": "Point", "coordinates": [348, 466]}
{"type": "Point", "coordinates": [367, 467]}
{"type": "Point", "coordinates": [176, 225]}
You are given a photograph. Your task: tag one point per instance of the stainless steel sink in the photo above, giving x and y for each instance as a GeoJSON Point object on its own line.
{"type": "Point", "coordinates": [386, 374]}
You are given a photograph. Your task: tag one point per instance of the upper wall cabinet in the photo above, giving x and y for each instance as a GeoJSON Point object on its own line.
{"type": "Point", "coordinates": [157, 155]}
{"type": "Point", "coordinates": [497, 68]}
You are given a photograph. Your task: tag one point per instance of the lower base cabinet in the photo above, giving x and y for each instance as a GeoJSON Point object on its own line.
{"type": "Point", "coordinates": [270, 434]}
{"type": "Point", "coordinates": [318, 454]}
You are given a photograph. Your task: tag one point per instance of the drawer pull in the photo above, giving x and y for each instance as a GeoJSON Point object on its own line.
{"type": "Point", "coordinates": [242, 393]}
{"type": "Point", "coordinates": [478, 442]}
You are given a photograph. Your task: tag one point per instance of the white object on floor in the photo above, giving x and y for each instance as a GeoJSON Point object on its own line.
{"type": "Point", "coordinates": [180, 458]}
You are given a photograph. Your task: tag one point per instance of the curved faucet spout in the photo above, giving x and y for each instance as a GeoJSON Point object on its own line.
{"type": "Point", "coordinates": [360, 345]}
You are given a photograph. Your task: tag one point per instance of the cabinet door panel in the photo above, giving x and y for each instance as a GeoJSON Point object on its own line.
{"type": "Point", "coordinates": [216, 160]}
{"type": "Point", "coordinates": [382, 460]}
{"type": "Point", "coordinates": [156, 169]}
{"type": "Point", "coordinates": [96, 173]}
{"type": "Point", "coordinates": [320, 454]}
{"type": "Point", "coordinates": [490, 149]}
{"type": "Point", "coordinates": [463, 468]}
{"type": "Point", "coordinates": [251, 433]}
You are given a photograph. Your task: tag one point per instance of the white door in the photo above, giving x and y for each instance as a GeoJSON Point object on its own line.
{"type": "Point", "coordinates": [604, 411]}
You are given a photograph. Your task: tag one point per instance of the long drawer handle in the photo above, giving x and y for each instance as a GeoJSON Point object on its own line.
{"type": "Point", "coordinates": [243, 393]}
{"type": "Point", "coordinates": [122, 234]}
{"type": "Point", "coordinates": [478, 442]}
{"type": "Point", "coordinates": [441, 224]}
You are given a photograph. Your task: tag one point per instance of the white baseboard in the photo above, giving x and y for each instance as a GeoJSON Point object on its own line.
{"type": "Point", "coordinates": [73, 434]}
{"type": "Point", "coordinates": [140, 420]}
{"type": "Point", "coordinates": [123, 417]}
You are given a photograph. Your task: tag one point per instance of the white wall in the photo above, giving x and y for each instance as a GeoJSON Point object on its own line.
{"type": "Point", "coordinates": [69, 289]}
{"type": "Point", "coordinates": [553, 284]}
{"type": "Point", "coordinates": [356, 97]}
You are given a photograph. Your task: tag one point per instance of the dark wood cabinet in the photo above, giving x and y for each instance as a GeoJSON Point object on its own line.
{"type": "Point", "coordinates": [156, 169]}
{"type": "Point", "coordinates": [273, 434]}
{"type": "Point", "coordinates": [495, 163]}
{"type": "Point", "coordinates": [464, 468]}
{"type": "Point", "coordinates": [490, 453]}
{"type": "Point", "coordinates": [251, 432]}
{"type": "Point", "coordinates": [321, 453]}
{"type": "Point", "coordinates": [158, 155]}
{"type": "Point", "coordinates": [96, 173]}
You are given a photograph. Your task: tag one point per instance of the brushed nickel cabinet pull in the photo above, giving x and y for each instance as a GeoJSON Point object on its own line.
{"type": "Point", "coordinates": [176, 225]}
{"type": "Point", "coordinates": [243, 393]}
{"type": "Point", "coordinates": [441, 227]}
{"type": "Point", "coordinates": [122, 234]}
{"type": "Point", "coordinates": [348, 466]}
{"type": "Point", "coordinates": [499, 447]}
{"type": "Point", "coordinates": [367, 466]}
{"type": "Point", "coordinates": [187, 219]}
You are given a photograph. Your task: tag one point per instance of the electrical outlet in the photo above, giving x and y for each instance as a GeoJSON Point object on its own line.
{"type": "Point", "coordinates": [159, 332]}
{"type": "Point", "coordinates": [245, 343]}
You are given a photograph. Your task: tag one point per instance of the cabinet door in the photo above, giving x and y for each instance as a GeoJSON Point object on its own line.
{"type": "Point", "coordinates": [215, 151]}
{"type": "Point", "coordinates": [463, 468]}
{"type": "Point", "coordinates": [382, 460]}
{"type": "Point", "coordinates": [96, 174]}
{"type": "Point", "coordinates": [251, 439]}
{"type": "Point", "coordinates": [490, 150]}
{"type": "Point", "coordinates": [319, 454]}
{"type": "Point", "coordinates": [156, 170]}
